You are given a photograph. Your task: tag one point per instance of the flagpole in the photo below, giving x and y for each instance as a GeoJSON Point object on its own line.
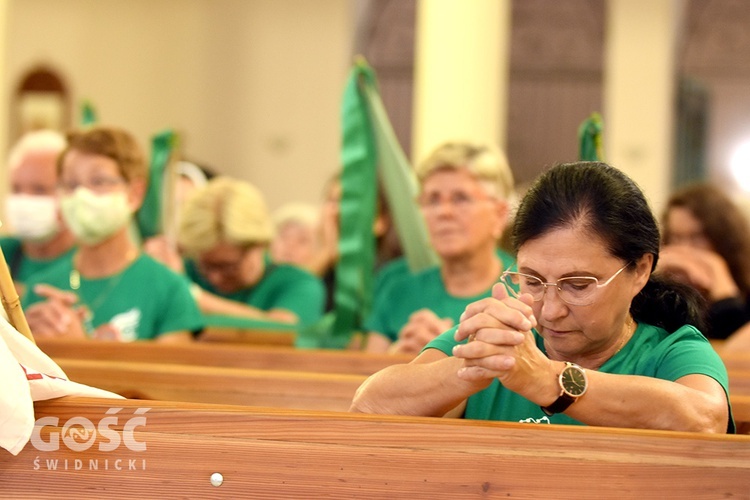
{"type": "Point", "coordinates": [11, 301]}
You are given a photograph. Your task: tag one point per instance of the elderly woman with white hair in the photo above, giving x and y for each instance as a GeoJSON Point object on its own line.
{"type": "Point", "coordinates": [224, 234]}
{"type": "Point", "coordinates": [38, 238]}
{"type": "Point", "coordinates": [295, 241]}
{"type": "Point", "coordinates": [464, 197]}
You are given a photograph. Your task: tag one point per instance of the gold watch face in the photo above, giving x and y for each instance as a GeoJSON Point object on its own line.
{"type": "Point", "coordinates": [573, 380]}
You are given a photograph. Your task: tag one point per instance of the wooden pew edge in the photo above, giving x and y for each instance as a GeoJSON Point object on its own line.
{"type": "Point", "coordinates": [101, 404]}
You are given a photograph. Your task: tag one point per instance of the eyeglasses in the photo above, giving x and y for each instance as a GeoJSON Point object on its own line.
{"type": "Point", "coordinates": [458, 200]}
{"type": "Point", "coordinates": [96, 184]}
{"type": "Point", "coordinates": [222, 267]}
{"type": "Point", "coordinates": [573, 290]}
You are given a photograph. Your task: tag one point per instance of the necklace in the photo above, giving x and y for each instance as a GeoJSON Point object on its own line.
{"type": "Point", "coordinates": [74, 278]}
{"type": "Point", "coordinates": [628, 334]}
{"type": "Point", "coordinates": [89, 307]}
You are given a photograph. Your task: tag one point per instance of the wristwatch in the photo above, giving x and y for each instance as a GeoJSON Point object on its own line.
{"type": "Point", "coordinates": [573, 384]}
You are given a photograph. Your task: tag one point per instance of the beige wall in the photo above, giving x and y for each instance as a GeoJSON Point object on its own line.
{"type": "Point", "coordinates": [254, 85]}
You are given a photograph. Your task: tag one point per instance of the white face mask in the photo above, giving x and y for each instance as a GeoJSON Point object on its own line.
{"type": "Point", "coordinates": [32, 217]}
{"type": "Point", "coordinates": [95, 217]}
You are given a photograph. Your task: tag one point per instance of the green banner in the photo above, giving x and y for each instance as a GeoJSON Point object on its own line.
{"type": "Point", "coordinates": [88, 114]}
{"type": "Point", "coordinates": [149, 216]}
{"type": "Point", "coordinates": [355, 266]}
{"type": "Point", "coordinates": [370, 153]}
{"type": "Point", "coordinates": [590, 147]}
{"type": "Point", "coordinates": [400, 185]}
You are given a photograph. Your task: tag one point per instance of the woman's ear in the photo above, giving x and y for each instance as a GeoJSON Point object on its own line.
{"type": "Point", "coordinates": [643, 267]}
{"type": "Point", "coordinates": [502, 210]}
{"type": "Point", "coordinates": [136, 193]}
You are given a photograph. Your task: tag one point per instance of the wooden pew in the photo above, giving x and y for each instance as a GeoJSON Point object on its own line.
{"type": "Point", "coordinates": [739, 382]}
{"type": "Point", "coordinates": [266, 453]}
{"type": "Point", "coordinates": [117, 367]}
{"type": "Point", "coordinates": [228, 356]}
{"type": "Point", "coordinates": [739, 361]}
{"type": "Point", "coordinates": [231, 335]}
{"type": "Point", "coordinates": [741, 412]}
{"type": "Point", "coordinates": [229, 386]}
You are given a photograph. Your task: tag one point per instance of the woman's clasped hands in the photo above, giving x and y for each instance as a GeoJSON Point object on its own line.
{"type": "Point", "coordinates": [501, 344]}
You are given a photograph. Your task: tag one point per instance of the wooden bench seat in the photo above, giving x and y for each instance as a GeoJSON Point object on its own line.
{"type": "Point", "coordinates": [228, 356]}
{"type": "Point", "coordinates": [273, 453]}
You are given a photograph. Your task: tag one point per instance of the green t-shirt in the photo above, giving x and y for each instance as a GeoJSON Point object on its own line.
{"type": "Point", "coordinates": [23, 267]}
{"type": "Point", "coordinates": [391, 270]}
{"type": "Point", "coordinates": [407, 293]}
{"type": "Point", "coordinates": [281, 287]}
{"type": "Point", "coordinates": [145, 300]}
{"type": "Point", "coordinates": [651, 352]}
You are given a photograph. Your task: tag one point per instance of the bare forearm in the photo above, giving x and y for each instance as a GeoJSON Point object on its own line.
{"type": "Point", "coordinates": [425, 389]}
{"type": "Point", "coordinates": [213, 304]}
{"type": "Point", "coordinates": [649, 403]}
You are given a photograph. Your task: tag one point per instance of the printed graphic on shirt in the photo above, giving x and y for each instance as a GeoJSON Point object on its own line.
{"type": "Point", "coordinates": [127, 323]}
{"type": "Point", "coordinates": [532, 420]}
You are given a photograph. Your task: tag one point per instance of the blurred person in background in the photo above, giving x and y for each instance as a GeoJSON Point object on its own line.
{"type": "Point", "coordinates": [706, 244]}
{"type": "Point", "coordinates": [224, 235]}
{"type": "Point", "coordinates": [39, 237]}
{"type": "Point", "coordinates": [295, 239]}
{"type": "Point", "coordinates": [464, 191]}
{"type": "Point", "coordinates": [108, 290]}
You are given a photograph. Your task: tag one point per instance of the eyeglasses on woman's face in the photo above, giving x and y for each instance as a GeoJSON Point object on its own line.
{"type": "Point", "coordinates": [573, 290]}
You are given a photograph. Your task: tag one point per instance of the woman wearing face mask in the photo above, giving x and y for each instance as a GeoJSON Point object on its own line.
{"type": "Point", "coordinates": [108, 290]}
{"type": "Point", "coordinates": [39, 238]}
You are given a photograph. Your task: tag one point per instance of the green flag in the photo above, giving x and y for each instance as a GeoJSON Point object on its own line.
{"type": "Point", "coordinates": [355, 265]}
{"type": "Point", "coordinates": [149, 217]}
{"type": "Point", "coordinates": [399, 183]}
{"type": "Point", "coordinates": [88, 114]}
{"type": "Point", "coordinates": [590, 147]}
{"type": "Point", "coordinates": [370, 151]}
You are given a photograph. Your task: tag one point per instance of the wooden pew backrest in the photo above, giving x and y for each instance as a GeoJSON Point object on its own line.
{"type": "Point", "coordinates": [263, 453]}
{"type": "Point", "coordinates": [229, 386]}
{"type": "Point", "coordinates": [227, 356]}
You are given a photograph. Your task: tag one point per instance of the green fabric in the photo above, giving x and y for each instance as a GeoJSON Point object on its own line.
{"type": "Point", "coordinates": [590, 147]}
{"type": "Point", "coordinates": [281, 287]}
{"type": "Point", "coordinates": [149, 216]}
{"type": "Point", "coordinates": [354, 268]}
{"type": "Point", "coordinates": [23, 267]}
{"type": "Point", "coordinates": [144, 301]}
{"type": "Point", "coordinates": [88, 114]}
{"type": "Point", "coordinates": [369, 150]}
{"type": "Point", "coordinates": [390, 271]}
{"type": "Point", "coordinates": [651, 352]}
{"type": "Point", "coordinates": [400, 185]}
{"type": "Point", "coordinates": [404, 295]}
{"type": "Point", "coordinates": [247, 323]}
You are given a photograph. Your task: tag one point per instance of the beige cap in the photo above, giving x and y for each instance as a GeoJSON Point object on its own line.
{"type": "Point", "coordinates": [225, 210]}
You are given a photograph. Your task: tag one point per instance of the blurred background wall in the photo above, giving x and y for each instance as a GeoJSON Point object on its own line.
{"type": "Point", "coordinates": [254, 86]}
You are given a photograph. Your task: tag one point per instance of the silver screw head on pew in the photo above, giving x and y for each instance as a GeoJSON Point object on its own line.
{"type": "Point", "coordinates": [216, 479]}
